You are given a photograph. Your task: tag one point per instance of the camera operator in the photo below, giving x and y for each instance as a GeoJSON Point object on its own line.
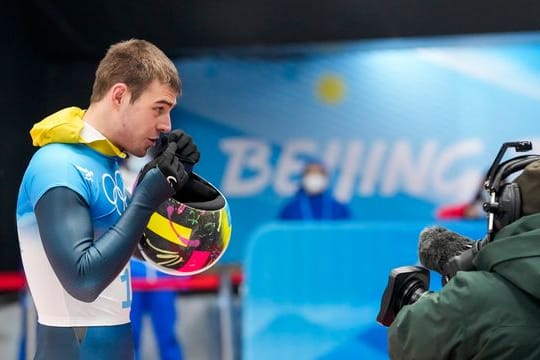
{"type": "Point", "coordinates": [492, 312]}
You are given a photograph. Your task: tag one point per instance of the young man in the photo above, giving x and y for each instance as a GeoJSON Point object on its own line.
{"type": "Point", "coordinates": [77, 228]}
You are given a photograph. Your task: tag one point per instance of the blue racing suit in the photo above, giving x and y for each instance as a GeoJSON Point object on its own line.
{"type": "Point", "coordinates": [77, 234]}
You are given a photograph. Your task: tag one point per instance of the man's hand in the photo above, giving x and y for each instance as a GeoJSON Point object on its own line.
{"type": "Point", "coordinates": [186, 149]}
{"type": "Point", "coordinates": [170, 166]}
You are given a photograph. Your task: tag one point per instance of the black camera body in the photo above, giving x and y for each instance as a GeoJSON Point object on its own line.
{"type": "Point", "coordinates": [405, 285]}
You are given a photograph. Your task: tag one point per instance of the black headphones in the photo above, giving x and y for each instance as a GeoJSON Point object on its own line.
{"type": "Point", "coordinates": [503, 206]}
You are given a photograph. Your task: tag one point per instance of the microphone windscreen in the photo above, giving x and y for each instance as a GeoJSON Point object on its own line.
{"type": "Point", "coordinates": [437, 245]}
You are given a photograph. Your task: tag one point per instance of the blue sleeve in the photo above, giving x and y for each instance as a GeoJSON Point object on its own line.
{"type": "Point", "coordinates": [291, 211]}
{"type": "Point", "coordinates": [343, 211]}
{"type": "Point", "coordinates": [86, 266]}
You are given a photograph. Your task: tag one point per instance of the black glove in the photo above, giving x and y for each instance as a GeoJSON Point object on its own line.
{"type": "Point", "coordinates": [186, 150]}
{"type": "Point", "coordinates": [170, 166]}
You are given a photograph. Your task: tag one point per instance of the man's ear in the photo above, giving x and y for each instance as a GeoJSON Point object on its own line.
{"type": "Point", "coordinates": [119, 93]}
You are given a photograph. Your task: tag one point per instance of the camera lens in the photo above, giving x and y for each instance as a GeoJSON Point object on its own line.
{"type": "Point", "coordinates": [412, 292]}
{"type": "Point", "coordinates": [405, 285]}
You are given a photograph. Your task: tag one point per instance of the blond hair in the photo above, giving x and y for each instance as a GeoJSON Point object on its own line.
{"type": "Point", "coordinates": [137, 63]}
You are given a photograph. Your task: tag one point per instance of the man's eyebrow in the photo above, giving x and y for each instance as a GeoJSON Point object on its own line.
{"type": "Point", "coordinates": [165, 102]}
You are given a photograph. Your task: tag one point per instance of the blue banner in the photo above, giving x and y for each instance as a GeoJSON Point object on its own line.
{"type": "Point", "coordinates": [403, 130]}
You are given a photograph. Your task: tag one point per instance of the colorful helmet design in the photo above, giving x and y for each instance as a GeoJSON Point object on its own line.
{"type": "Point", "coordinates": [189, 232]}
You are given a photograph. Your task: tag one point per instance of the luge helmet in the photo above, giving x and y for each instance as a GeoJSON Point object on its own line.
{"type": "Point", "coordinates": [190, 231]}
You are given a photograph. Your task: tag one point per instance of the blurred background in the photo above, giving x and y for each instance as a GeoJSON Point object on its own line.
{"type": "Point", "coordinates": [404, 103]}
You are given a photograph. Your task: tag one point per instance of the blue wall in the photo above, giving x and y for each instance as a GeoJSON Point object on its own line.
{"type": "Point", "coordinates": [313, 290]}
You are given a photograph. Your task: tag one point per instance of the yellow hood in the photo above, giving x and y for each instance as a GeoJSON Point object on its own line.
{"type": "Point", "coordinates": [65, 126]}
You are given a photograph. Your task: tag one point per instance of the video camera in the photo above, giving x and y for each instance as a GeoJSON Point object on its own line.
{"type": "Point", "coordinates": [408, 283]}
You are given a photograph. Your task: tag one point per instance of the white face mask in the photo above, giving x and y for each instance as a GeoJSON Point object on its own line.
{"type": "Point", "coordinates": [315, 183]}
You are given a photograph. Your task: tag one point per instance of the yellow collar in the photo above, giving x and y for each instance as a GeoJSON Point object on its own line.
{"type": "Point", "coordinates": [67, 126]}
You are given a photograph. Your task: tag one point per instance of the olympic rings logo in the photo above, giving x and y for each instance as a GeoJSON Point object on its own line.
{"type": "Point", "coordinates": [114, 194]}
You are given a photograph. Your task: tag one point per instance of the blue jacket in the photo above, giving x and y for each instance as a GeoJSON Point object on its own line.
{"type": "Point", "coordinates": [314, 207]}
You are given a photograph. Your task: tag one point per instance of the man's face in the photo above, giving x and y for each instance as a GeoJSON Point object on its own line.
{"type": "Point", "coordinates": [142, 122]}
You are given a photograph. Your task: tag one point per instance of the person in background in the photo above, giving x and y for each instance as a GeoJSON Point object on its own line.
{"type": "Point", "coordinates": [314, 200]}
{"type": "Point", "coordinates": [159, 304]}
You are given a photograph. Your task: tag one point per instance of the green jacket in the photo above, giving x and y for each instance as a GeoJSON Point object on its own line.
{"type": "Point", "coordinates": [491, 313]}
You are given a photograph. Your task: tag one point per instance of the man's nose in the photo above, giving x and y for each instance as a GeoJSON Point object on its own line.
{"type": "Point", "coordinates": [165, 124]}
